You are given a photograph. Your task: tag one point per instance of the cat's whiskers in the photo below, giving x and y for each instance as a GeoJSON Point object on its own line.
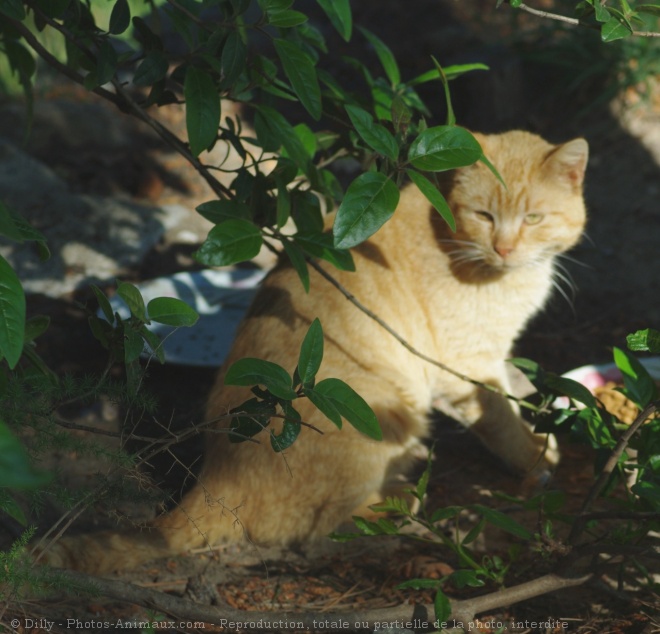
{"type": "Point", "coordinates": [464, 252]}
{"type": "Point", "coordinates": [573, 260]}
{"type": "Point", "coordinates": [464, 257]}
{"type": "Point", "coordinates": [563, 281]}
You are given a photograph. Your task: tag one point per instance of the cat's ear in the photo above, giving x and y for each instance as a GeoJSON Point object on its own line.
{"type": "Point", "coordinates": [569, 161]}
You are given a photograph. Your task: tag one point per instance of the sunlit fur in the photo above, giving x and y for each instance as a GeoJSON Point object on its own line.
{"type": "Point", "coordinates": [461, 298]}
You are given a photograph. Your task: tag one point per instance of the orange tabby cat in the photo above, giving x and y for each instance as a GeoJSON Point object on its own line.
{"type": "Point", "coordinates": [461, 298]}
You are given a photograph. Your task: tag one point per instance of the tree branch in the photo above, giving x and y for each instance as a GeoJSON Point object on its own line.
{"type": "Point", "coordinates": [610, 465]}
{"type": "Point", "coordinates": [574, 21]}
{"type": "Point", "coordinates": [53, 62]}
{"type": "Point", "coordinates": [463, 611]}
{"type": "Point", "coordinates": [383, 324]}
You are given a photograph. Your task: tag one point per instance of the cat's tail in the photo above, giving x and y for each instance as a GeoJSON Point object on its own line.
{"type": "Point", "coordinates": [169, 534]}
{"type": "Point", "coordinates": [104, 551]}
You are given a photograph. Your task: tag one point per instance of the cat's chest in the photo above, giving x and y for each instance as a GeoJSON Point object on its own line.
{"type": "Point", "coordinates": [488, 315]}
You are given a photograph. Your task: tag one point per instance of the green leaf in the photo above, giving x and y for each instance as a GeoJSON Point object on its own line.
{"type": "Point", "coordinates": [218, 211]}
{"type": "Point", "coordinates": [401, 115]}
{"type": "Point", "coordinates": [499, 519]}
{"type": "Point", "coordinates": [273, 377]}
{"type": "Point", "coordinates": [234, 56]}
{"type": "Point", "coordinates": [568, 387]}
{"type": "Point", "coordinates": [385, 56]}
{"type": "Point", "coordinates": [20, 59]}
{"type": "Point", "coordinates": [644, 341]}
{"type": "Point", "coordinates": [451, 118]}
{"type": "Point", "coordinates": [300, 71]}
{"type": "Point", "coordinates": [230, 242]}
{"type": "Point", "coordinates": [250, 418]}
{"type": "Point", "coordinates": [149, 39]}
{"type": "Point", "coordinates": [373, 134]}
{"type": "Point", "coordinates": [307, 138]}
{"type": "Point", "coordinates": [286, 18]}
{"type": "Point", "coordinates": [35, 327]}
{"type": "Point", "coordinates": [474, 532]}
{"type": "Point", "coordinates": [649, 491]}
{"type": "Point", "coordinates": [16, 228]}
{"type": "Point", "coordinates": [290, 429]}
{"type": "Point", "coordinates": [101, 330]}
{"type": "Point", "coordinates": [283, 204]}
{"type": "Point", "coordinates": [451, 72]}
{"type": "Point", "coordinates": [420, 584]}
{"type": "Point", "coordinates": [273, 123]}
{"type": "Point", "coordinates": [133, 344]}
{"type": "Point", "coordinates": [462, 578]}
{"type": "Point", "coordinates": [120, 18]}
{"type": "Point", "coordinates": [640, 386]}
{"type": "Point", "coordinates": [339, 13]}
{"type": "Point", "coordinates": [370, 201]}
{"type": "Point", "coordinates": [443, 148]}
{"type": "Point", "coordinates": [445, 513]}
{"type": "Point", "coordinates": [433, 195]}
{"type": "Point", "coordinates": [10, 506]}
{"type": "Point", "coordinates": [12, 314]}
{"type": "Point", "coordinates": [286, 438]}
{"type": "Point", "coordinates": [171, 312]}
{"type": "Point", "coordinates": [321, 245]}
{"type": "Point", "coordinates": [600, 11]}
{"type": "Point", "coordinates": [381, 526]}
{"type": "Point", "coordinates": [392, 505]}
{"type": "Point", "coordinates": [133, 298]}
{"type": "Point", "coordinates": [202, 109]}
{"type": "Point", "coordinates": [106, 66]}
{"type": "Point", "coordinates": [351, 406]}
{"type": "Point", "coordinates": [307, 144]}
{"type": "Point", "coordinates": [104, 304]}
{"type": "Point", "coordinates": [441, 606]}
{"type": "Point", "coordinates": [531, 369]}
{"type": "Point", "coordinates": [151, 69]}
{"type": "Point", "coordinates": [16, 472]}
{"type": "Point", "coordinates": [154, 343]}
{"type": "Point", "coordinates": [275, 5]}
{"type": "Point", "coordinates": [297, 257]}
{"type": "Point", "coordinates": [311, 353]}
{"type": "Point", "coordinates": [423, 482]}
{"type": "Point", "coordinates": [484, 159]}
{"type": "Point", "coordinates": [324, 405]}
{"type": "Point", "coordinates": [614, 29]}
{"type": "Point", "coordinates": [652, 9]}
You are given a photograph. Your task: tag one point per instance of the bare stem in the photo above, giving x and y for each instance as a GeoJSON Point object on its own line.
{"type": "Point", "coordinates": [463, 612]}
{"type": "Point", "coordinates": [609, 467]}
{"type": "Point", "coordinates": [383, 324]}
{"type": "Point", "coordinates": [574, 21]}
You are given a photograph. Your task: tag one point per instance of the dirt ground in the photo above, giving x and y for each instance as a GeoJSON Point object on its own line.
{"type": "Point", "coordinates": [616, 274]}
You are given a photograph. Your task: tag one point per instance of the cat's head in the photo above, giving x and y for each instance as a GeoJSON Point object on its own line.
{"type": "Point", "coordinates": [539, 213]}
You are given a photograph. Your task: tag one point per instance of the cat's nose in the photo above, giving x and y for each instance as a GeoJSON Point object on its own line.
{"type": "Point", "coordinates": [503, 250]}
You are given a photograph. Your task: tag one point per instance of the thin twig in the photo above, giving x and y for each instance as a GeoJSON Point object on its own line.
{"type": "Point", "coordinates": [609, 467]}
{"type": "Point", "coordinates": [369, 313]}
{"type": "Point", "coordinates": [172, 140]}
{"type": "Point", "coordinates": [52, 61]}
{"type": "Point", "coordinates": [574, 21]}
{"type": "Point", "coordinates": [93, 430]}
{"type": "Point", "coordinates": [121, 99]}
{"type": "Point", "coordinates": [462, 611]}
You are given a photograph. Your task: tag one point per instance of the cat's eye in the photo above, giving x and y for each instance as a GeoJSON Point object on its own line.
{"type": "Point", "coordinates": [533, 219]}
{"type": "Point", "coordinates": [485, 215]}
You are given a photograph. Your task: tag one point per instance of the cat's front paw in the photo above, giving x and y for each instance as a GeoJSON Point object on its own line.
{"type": "Point", "coordinates": [545, 458]}
{"type": "Point", "coordinates": [549, 449]}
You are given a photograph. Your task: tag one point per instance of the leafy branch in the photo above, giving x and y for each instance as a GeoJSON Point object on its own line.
{"type": "Point", "coordinates": [613, 24]}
